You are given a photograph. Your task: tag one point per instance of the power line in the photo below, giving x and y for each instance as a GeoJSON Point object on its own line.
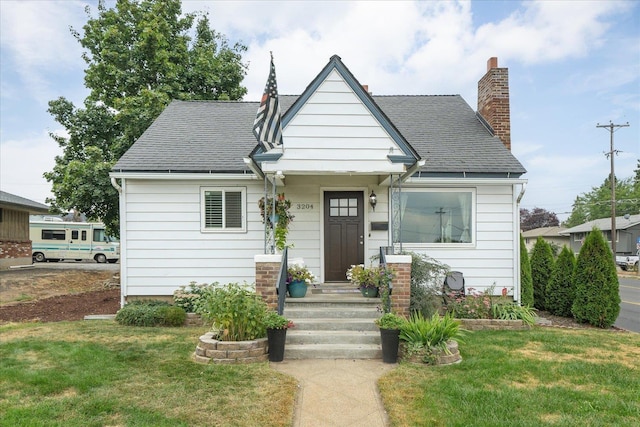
{"type": "Point", "coordinates": [611, 154]}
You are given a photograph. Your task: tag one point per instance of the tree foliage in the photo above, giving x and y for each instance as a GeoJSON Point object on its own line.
{"type": "Point", "coordinates": [541, 268]}
{"type": "Point", "coordinates": [596, 204]}
{"type": "Point", "coordinates": [537, 218]}
{"type": "Point", "coordinates": [597, 298]}
{"type": "Point", "coordinates": [560, 291]}
{"type": "Point", "coordinates": [139, 57]}
{"type": "Point", "coordinates": [526, 282]}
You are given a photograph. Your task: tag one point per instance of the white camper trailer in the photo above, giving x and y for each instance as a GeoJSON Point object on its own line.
{"type": "Point", "coordinates": [56, 241]}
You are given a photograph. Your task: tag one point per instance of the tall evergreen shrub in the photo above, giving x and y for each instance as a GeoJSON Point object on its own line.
{"type": "Point", "coordinates": [597, 298]}
{"type": "Point", "coordinates": [526, 284]}
{"type": "Point", "coordinates": [541, 268]}
{"type": "Point", "coordinates": [560, 291]}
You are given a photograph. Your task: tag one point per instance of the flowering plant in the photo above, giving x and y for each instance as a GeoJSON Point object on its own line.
{"type": "Point", "coordinates": [273, 320]}
{"type": "Point", "coordinates": [300, 273]}
{"type": "Point", "coordinates": [369, 277]}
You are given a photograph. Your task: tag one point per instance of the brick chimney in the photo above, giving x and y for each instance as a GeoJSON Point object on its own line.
{"type": "Point", "coordinates": [493, 100]}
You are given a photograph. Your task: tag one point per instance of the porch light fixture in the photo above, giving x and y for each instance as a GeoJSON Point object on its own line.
{"type": "Point", "coordinates": [373, 200]}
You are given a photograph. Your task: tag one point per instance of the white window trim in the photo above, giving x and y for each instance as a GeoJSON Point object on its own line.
{"type": "Point", "coordinates": [473, 218]}
{"type": "Point", "coordinates": [243, 192]}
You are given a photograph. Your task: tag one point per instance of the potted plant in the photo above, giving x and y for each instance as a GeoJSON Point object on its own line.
{"type": "Point", "coordinates": [278, 220]}
{"type": "Point", "coordinates": [390, 325]}
{"type": "Point", "coordinates": [298, 278]}
{"type": "Point", "coordinates": [433, 340]}
{"type": "Point", "coordinates": [276, 326]}
{"type": "Point", "coordinates": [369, 279]}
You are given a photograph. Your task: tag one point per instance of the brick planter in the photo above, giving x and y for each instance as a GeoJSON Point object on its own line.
{"type": "Point", "coordinates": [211, 350]}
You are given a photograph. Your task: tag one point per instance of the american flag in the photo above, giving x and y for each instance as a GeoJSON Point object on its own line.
{"type": "Point", "coordinates": [267, 127]}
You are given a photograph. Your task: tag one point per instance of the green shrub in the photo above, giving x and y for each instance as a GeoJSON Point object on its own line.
{"type": "Point", "coordinates": [560, 291]}
{"type": "Point", "coordinates": [432, 333]}
{"type": "Point", "coordinates": [526, 283]}
{"type": "Point", "coordinates": [474, 305]}
{"type": "Point", "coordinates": [188, 297]}
{"type": "Point", "coordinates": [512, 311]}
{"type": "Point", "coordinates": [236, 312]}
{"type": "Point", "coordinates": [390, 321]}
{"type": "Point", "coordinates": [171, 315]}
{"type": "Point", "coordinates": [427, 277]}
{"type": "Point", "coordinates": [597, 298]}
{"type": "Point", "coordinates": [150, 313]}
{"type": "Point", "coordinates": [541, 268]}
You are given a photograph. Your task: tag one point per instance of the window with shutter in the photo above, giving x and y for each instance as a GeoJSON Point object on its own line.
{"type": "Point", "coordinates": [223, 209]}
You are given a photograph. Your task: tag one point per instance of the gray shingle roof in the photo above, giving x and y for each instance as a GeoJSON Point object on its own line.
{"type": "Point", "coordinates": [21, 203]}
{"type": "Point", "coordinates": [215, 136]}
{"type": "Point", "coordinates": [604, 224]}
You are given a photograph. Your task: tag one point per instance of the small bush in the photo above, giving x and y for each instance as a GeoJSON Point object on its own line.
{"type": "Point", "coordinates": [427, 277]}
{"type": "Point", "coordinates": [150, 313]}
{"type": "Point", "coordinates": [171, 316]}
{"type": "Point", "coordinates": [236, 312]}
{"type": "Point", "coordinates": [541, 268]}
{"type": "Point", "coordinates": [475, 305]}
{"type": "Point", "coordinates": [189, 297]}
{"type": "Point", "coordinates": [561, 291]}
{"type": "Point", "coordinates": [597, 298]}
{"type": "Point", "coordinates": [512, 311]}
{"type": "Point", "coordinates": [432, 333]}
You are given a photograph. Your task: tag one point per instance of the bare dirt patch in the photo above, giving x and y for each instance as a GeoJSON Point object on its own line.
{"type": "Point", "coordinates": [51, 295]}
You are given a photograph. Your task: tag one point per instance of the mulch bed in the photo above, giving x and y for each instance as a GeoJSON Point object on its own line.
{"type": "Point", "coordinates": [63, 307]}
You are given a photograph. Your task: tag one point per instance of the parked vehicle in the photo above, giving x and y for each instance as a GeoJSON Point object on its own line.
{"type": "Point", "coordinates": [55, 241]}
{"type": "Point", "coordinates": [628, 262]}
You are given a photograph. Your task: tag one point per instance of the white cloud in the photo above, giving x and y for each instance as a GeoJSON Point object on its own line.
{"type": "Point", "coordinates": [36, 36]}
{"type": "Point", "coordinates": [22, 163]}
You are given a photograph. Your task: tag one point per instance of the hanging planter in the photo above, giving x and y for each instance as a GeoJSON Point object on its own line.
{"type": "Point", "coordinates": [279, 220]}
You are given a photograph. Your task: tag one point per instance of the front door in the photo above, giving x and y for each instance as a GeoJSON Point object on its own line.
{"type": "Point", "coordinates": [343, 233]}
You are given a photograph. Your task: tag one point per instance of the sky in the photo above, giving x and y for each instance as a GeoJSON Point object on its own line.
{"type": "Point", "coordinates": [572, 65]}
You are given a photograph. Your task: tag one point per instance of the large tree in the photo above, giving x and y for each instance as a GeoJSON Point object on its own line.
{"type": "Point", "coordinates": [596, 203]}
{"type": "Point", "coordinates": [537, 218]}
{"type": "Point", "coordinates": [139, 57]}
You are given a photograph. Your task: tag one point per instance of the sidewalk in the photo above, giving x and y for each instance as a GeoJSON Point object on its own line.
{"type": "Point", "coordinates": [337, 392]}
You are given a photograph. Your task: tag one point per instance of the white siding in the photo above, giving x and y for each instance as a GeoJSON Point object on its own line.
{"type": "Point", "coordinates": [491, 260]}
{"type": "Point", "coordinates": [165, 247]}
{"type": "Point", "coordinates": [335, 132]}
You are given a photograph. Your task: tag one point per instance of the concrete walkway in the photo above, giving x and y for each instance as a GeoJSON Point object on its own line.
{"type": "Point", "coordinates": [337, 392]}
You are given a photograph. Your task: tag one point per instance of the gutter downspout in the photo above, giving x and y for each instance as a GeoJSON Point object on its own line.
{"type": "Point", "coordinates": [123, 277]}
{"type": "Point", "coordinates": [516, 215]}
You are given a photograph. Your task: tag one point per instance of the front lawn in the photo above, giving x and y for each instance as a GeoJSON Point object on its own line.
{"type": "Point", "coordinates": [545, 376]}
{"type": "Point", "coordinates": [98, 373]}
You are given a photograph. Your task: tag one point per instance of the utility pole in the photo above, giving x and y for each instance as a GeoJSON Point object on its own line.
{"type": "Point", "coordinates": [610, 155]}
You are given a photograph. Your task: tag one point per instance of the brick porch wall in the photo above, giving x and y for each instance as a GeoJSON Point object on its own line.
{"type": "Point", "coordinates": [267, 269]}
{"type": "Point", "coordinates": [401, 265]}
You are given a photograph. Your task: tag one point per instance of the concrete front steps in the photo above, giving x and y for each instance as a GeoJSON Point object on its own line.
{"type": "Point", "coordinates": [333, 321]}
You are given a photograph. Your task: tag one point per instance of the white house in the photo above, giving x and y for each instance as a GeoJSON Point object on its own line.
{"type": "Point", "coordinates": [444, 177]}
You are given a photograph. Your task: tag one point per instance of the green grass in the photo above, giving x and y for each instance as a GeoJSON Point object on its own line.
{"type": "Point", "coordinates": [100, 373]}
{"type": "Point", "coordinates": [544, 376]}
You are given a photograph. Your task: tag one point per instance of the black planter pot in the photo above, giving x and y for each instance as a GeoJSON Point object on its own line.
{"type": "Point", "coordinates": [276, 339]}
{"type": "Point", "coordinates": [390, 341]}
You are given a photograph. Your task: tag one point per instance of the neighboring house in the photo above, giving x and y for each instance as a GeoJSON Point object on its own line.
{"type": "Point", "coordinates": [552, 235]}
{"type": "Point", "coordinates": [627, 233]}
{"type": "Point", "coordinates": [15, 246]}
{"type": "Point", "coordinates": [445, 180]}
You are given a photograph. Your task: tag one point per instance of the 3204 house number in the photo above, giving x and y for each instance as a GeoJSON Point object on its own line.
{"type": "Point", "coordinates": [304, 206]}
